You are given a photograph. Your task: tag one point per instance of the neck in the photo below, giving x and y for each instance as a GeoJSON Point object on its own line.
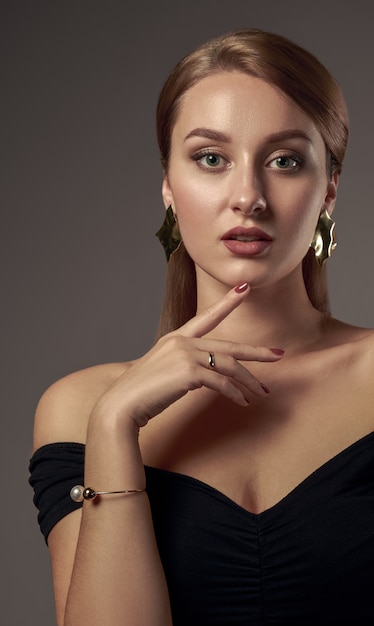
{"type": "Point", "coordinates": [278, 315]}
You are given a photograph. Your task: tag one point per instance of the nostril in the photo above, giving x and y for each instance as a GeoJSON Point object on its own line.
{"type": "Point", "coordinates": [252, 208]}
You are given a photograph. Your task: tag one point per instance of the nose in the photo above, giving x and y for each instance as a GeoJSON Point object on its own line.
{"type": "Point", "coordinates": [247, 193]}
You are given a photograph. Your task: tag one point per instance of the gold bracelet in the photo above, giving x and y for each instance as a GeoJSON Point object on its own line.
{"type": "Point", "coordinates": [80, 493]}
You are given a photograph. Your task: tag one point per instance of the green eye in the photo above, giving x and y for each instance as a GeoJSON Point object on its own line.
{"type": "Point", "coordinates": [285, 163]}
{"type": "Point", "coordinates": [212, 160]}
{"type": "Point", "coordinates": [207, 160]}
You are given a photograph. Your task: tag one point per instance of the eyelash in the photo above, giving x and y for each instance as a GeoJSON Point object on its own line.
{"type": "Point", "coordinates": [206, 153]}
{"type": "Point", "coordinates": [298, 162]}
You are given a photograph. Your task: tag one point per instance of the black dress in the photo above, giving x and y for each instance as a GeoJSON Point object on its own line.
{"type": "Point", "coordinates": [307, 560]}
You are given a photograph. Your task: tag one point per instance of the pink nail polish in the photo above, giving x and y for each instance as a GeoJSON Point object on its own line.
{"type": "Point", "coordinates": [265, 388]}
{"type": "Point", "coordinates": [276, 351]}
{"type": "Point", "coordinates": [241, 288]}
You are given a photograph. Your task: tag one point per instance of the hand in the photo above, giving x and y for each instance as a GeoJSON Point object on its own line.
{"type": "Point", "coordinates": [179, 362]}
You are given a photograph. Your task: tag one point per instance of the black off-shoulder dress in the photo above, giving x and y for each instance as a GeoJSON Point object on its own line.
{"type": "Point", "coordinates": [308, 560]}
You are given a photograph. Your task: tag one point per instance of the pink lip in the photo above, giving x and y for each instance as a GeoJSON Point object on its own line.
{"type": "Point", "coordinates": [246, 232]}
{"type": "Point", "coordinates": [255, 247]}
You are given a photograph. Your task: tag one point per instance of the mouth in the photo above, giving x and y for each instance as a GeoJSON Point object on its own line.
{"type": "Point", "coordinates": [246, 241]}
{"type": "Point", "coordinates": [246, 234]}
{"type": "Point", "coordinates": [245, 238]}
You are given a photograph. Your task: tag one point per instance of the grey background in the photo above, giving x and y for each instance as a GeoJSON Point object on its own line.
{"type": "Point", "coordinates": [82, 273]}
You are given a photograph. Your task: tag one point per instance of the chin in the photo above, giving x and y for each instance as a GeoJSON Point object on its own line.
{"type": "Point", "coordinates": [232, 274]}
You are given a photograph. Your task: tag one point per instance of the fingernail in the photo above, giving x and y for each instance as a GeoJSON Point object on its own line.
{"type": "Point", "coordinates": [276, 351]}
{"type": "Point", "coordinates": [241, 288]}
{"type": "Point", "coordinates": [265, 388]}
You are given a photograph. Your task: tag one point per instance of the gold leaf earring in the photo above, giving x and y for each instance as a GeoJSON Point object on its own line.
{"type": "Point", "coordinates": [323, 242]}
{"type": "Point", "coordinates": [169, 234]}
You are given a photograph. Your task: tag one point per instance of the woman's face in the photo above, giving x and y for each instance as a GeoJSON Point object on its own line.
{"type": "Point", "coordinates": [247, 179]}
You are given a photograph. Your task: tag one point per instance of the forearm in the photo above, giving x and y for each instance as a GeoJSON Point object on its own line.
{"type": "Point", "coordinates": [118, 577]}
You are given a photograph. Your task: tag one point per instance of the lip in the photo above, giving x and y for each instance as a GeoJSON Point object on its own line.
{"type": "Point", "coordinates": [260, 241]}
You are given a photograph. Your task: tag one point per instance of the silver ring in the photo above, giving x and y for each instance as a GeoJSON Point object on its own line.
{"type": "Point", "coordinates": [212, 362]}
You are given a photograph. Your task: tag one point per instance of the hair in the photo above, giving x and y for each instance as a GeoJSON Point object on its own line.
{"type": "Point", "coordinates": [303, 78]}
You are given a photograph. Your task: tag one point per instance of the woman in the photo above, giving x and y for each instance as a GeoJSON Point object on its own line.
{"type": "Point", "coordinates": [249, 422]}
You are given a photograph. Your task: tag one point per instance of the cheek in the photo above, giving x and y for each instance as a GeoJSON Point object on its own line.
{"type": "Point", "coordinates": [194, 206]}
{"type": "Point", "coordinates": [301, 204]}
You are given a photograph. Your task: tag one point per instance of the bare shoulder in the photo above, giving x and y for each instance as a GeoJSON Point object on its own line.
{"type": "Point", "coordinates": [340, 333]}
{"type": "Point", "coordinates": [64, 409]}
{"type": "Point", "coordinates": [357, 345]}
{"type": "Point", "coordinates": [365, 346]}
{"type": "Point", "coordinates": [362, 338]}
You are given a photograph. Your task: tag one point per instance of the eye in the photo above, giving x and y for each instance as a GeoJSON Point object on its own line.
{"type": "Point", "coordinates": [285, 162]}
{"type": "Point", "coordinates": [210, 160]}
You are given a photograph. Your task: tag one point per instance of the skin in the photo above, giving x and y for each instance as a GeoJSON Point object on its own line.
{"type": "Point", "coordinates": [168, 409]}
{"type": "Point", "coordinates": [249, 188]}
{"type": "Point", "coordinates": [246, 185]}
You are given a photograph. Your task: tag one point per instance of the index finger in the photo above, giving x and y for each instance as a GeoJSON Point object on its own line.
{"type": "Point", "coordinates": [204, 322]}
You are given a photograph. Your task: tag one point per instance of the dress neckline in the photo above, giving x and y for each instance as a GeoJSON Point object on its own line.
{"type": "Point", "coordinates": [340, 458]}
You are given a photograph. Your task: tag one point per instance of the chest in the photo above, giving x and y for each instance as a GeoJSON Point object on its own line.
{"type": "Point", "coordinates": [259, 454]}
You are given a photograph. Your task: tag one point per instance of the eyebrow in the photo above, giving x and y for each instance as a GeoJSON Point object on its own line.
{"type": "Point", "coordinates": [215, 135]}
{"type": "Point", "coordinates": [288, 134]}
{"type": "Point", "coordinates": [207, 133]}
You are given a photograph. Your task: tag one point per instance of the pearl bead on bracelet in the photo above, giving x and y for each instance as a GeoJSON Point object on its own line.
{"type": "Point", "coordinates": [80, 493]}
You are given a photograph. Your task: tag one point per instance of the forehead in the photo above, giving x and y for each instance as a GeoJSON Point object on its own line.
{"type": "Point", "coordinates": [235, 102]}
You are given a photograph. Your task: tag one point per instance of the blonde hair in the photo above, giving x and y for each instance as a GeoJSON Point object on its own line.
{"type": "Point", "coordinates": [302, 77]}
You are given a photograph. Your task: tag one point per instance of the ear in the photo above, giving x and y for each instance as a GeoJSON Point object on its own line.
{"type": "Point", "coordinates": [167, 195]}
{"type": "Point", "coordinates": [331, 193]}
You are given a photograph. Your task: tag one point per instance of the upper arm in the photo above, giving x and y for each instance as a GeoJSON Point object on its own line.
{"type": "Point", "coordinates": [62, 415]}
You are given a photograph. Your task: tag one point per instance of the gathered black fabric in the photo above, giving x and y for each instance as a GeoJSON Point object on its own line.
{"type": "Point", "coordinates": [54, 470]}
{"type": "Point", "coordinates": [308, 560]}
